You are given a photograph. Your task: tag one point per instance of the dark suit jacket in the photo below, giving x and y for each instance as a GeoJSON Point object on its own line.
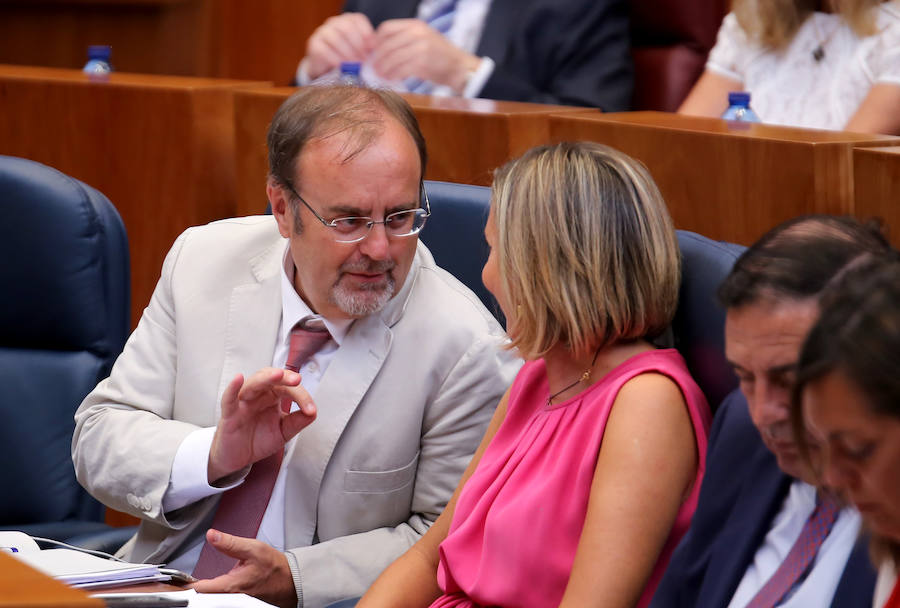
{"type": "Point", "coordinates": [573, 52]}
{"type": "Point", "coordinates": [742, 492]}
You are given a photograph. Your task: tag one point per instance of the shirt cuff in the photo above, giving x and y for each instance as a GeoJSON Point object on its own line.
{"type": "Point", "coordinates": [188, 482]}
{"type": "Point", "coordinates": [479, 78]}
{"type": "Point", "coordinates": [295, 575]}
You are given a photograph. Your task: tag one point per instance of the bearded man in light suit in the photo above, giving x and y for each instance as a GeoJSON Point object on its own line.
{"type": "Point", "coordinates": [388, 411]}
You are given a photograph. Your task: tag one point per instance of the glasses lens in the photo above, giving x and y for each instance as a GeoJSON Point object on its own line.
{"type": "Point", "coordinates": [349, 229]}
{"type": "Point", "coordinates": [403, 223]}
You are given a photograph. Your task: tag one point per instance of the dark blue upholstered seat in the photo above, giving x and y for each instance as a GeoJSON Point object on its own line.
{"type": "Point", "coordinates": [455, 234]}
{"type": "Point", "coordinates": [699, 324]}
{"type": "Point", "coordinates": [64, 317]}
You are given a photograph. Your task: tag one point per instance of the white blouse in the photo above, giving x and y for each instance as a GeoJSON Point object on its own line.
{"type": "Point", "coordinates": [789, 87]}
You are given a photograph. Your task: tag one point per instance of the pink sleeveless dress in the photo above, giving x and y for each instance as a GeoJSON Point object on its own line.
{"type": "Point", "coordinates": [519, 517]}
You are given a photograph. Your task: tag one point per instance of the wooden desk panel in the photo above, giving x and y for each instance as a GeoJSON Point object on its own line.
{"type": "Point", "coordinates": [259, 40]}
{"type": "Point", "coordinates": [160, 148]}
{"type": "Point", "coordinates": [147, 36]}
{"type": "Point", "coordinates": [467, 138]}
{"type": "Point", "coordinates": [876, 181]}
{"type": "Point", "coordinates": [24, 587]}
{"type": "Point", "coordinates": [265, 39]}
{"type": "Point", "coordinates": [731, 181]}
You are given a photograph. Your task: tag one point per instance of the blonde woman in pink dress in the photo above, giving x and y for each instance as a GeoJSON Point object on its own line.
{"type": "Point", "coordinates": [589, 472]}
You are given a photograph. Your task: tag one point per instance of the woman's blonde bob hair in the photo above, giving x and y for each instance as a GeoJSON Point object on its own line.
{"type": "Point", "coordinates": [773, 23]}
{"type": "Point", "coordinates": [586, 249]}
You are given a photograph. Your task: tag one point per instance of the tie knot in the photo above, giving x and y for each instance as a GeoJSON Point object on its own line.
{"type": "Point", "coordinates": [307, 337]}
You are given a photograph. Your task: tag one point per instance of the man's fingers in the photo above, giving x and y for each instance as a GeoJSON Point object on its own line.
{"type": "Point", "coordinates": [265, 380]}
{"type": "Point", "coordinates": [299, 395]}
{"type": "Point", "coordinates": [233, 546]}
{"type": "Point", "coordinates": [295, 422]}
{"type": "Point", "coordinates": [347, 37]}
{"type": "Point", "coordinates": [230, 396]}
{"type": "Point", "coordinates": [225, 583]}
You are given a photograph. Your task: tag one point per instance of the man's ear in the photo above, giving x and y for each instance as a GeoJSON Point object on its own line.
{"type": "Point", "coordinates": [280, 207]}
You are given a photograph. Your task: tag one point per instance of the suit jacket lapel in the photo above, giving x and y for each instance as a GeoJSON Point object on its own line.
{"type": "Point", "coordinates": [346, 381]}
{"type": "Point", "coordinates": [498, 28]}
{"type": "Point", "coordinates": [354, 367]}
{"type": "Point", "coordinates": [857, 584]}
{"type": "Point", "coordinates": [250, 342]}
{"type": "Point", "coordinates": [382, 11]}
{"type": "Point", "coordinates": [756, 505]}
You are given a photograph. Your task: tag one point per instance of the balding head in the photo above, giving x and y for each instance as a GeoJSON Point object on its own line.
{"type": "Point", "coordinates": [796, 260]}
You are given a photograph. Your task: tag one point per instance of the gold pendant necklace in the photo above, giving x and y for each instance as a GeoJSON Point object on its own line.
{"type": "Point", "coordinates": [583, 378]}
{"type": "Point", "coordinates": [818, 53]}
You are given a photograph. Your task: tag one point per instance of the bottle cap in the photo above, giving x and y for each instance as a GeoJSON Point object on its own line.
{"type": "Point", "coordinates": [99, 51]}
{"type": "Point", "coordinates": [350, 67]}
{"type": "Point", "coordinates": [739, 98]}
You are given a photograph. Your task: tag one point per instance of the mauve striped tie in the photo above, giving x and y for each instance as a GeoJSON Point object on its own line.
{"type": "Point", "coordinates": [241, 509]}
{"type": "Point", "coordinates": [801, 555]}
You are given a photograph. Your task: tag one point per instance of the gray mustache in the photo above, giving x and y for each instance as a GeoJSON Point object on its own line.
{"type": "Point", "coordinates": [370, 266]}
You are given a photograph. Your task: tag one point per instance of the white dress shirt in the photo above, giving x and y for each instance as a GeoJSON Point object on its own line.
{"type": "Point", "coordinates": [818, 588]}
{"type": "Point", "coordinates": [189, 483]}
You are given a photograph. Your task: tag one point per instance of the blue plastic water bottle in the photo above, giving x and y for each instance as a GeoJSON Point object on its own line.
{"type": "Point", "coordinates": [739, 108]}
{"type": "Point", "coordinates": [350, 73]}
{"type": "Point", "coordinates": [98, 66]}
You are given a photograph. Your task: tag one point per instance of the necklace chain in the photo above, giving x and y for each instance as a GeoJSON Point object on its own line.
{"type": "Point", "coordinates": [583, 378]}
{"type": "Point", "coordinates": [818, 53]}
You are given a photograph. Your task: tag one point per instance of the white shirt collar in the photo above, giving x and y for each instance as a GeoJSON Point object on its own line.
{"type": "Point", "coordinates": [293, 308]}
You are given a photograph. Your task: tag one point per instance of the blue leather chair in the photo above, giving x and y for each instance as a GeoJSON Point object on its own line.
{"type": "Point", "coordinates": [699, 324]}
{"type": "Point", "coordinates": [455, 234]}
{"type": "Point", "coordinates": [64, 318]}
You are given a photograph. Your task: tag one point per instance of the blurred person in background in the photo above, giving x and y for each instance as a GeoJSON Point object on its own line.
{"type": "Point", "coordinates": [825, 64]}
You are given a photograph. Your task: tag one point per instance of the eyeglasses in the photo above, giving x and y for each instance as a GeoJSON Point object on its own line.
{"type": "Point", "coordinates": [353, 229]}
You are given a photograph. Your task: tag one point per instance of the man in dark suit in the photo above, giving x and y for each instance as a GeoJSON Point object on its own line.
{"type": "Point", "coordinates": [759, 496]}
{"type": "Point", "coordinates": [573, 52]}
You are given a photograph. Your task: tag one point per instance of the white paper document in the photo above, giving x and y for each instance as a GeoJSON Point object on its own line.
{"type": "Point", "coordinates": [76, 568]}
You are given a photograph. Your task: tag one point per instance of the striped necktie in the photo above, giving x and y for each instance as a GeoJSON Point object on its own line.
{"type": "Point", "coordinates": [241, 509]}
{"type": "Point", "coordinates": [799, 559]}
{"type": "Point", "coordinates": [440, 18]}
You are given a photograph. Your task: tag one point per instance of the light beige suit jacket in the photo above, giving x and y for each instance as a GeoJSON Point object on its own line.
{"type": "Point", "coordinates": [401, 407]}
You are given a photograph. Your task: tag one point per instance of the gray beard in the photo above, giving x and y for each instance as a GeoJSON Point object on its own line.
{"type": "Point", "coordinates": [365, 300]}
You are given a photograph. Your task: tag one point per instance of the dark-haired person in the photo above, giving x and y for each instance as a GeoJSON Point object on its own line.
{"type": "Point", "coordinates": [401, 370]}
{"type": "Point", "coordinates": [848, 377]}
{"type": "Point", "coordinates": [825, 64]}
{"type": "Point", "coordinates": [759, 496]}
{"type": "Point", "coordinates": [590, 469]}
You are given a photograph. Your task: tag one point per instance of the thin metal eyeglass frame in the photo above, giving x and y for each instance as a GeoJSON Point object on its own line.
{"type": "Point", "coordinates": [370, 223]}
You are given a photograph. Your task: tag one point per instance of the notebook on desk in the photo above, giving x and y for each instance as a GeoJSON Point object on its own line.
{"type": "Point", "coordinates": [76, 568]}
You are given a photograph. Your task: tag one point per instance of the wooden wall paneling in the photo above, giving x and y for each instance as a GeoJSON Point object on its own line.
{"type": "Point", "coordinates": [147, 36]}
{"type": "Point", "coordinates": [265, 39]}
{"type": "Point", "coordinates": [160, 147]}
{"type": "Point", "coordinates": [259, 40]}
{"type": "Point", "coordinates": [876, 184]}
{"type": "Point", "coordinates": [467, 138]}
{"type": "Point", "coordinates": [730, 181]}
{"type": "Point", "coordinates": [253, 111]}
